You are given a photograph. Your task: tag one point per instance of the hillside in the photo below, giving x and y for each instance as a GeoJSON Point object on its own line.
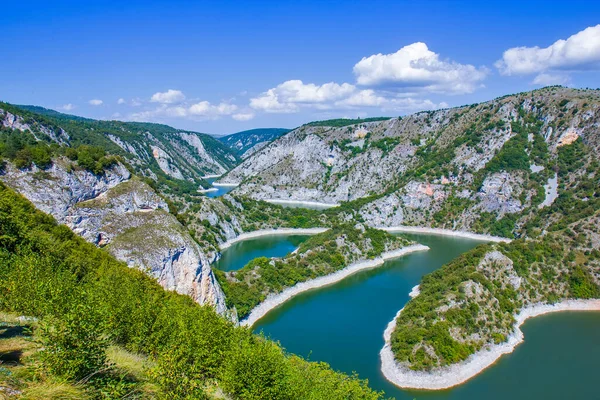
{"type": "Point", "coordinates": [167, 155]}
{"type": "Point", "coordinates": [103, 330]}
{"type": "Point", "coordinates": [459, 168]}
{"type": "Point", "coordinates": [246, 143]}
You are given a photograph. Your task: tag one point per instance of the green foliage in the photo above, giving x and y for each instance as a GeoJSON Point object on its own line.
{"type": "Point", "coordinates": [512, 155]}
{"type": "Point", "coordinates": [317, 256]}
{"type": "Point", "coordinates": [73, 347]}
{"type": "Point", "coordinates": [256, 370]}
{"type": "Point", "coordinates": [336, 123]}
{"type": "Point", "coordinates": [251, 137]}
{"type": "Point", "coordinates": [418, 323]}
{"type": "Point", "coordinates": [24, 150]}
{"type": "Point", "coordinates": [87, 300]}
{"type": "Point", "coordinates": [582, 284]}
{"type": "Point", "coordinates": [571, 157]}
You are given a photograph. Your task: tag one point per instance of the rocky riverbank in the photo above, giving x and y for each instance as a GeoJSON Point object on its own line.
{"type": "Point", "coordinates": [447, 377]}
{"type": "Point", "coordinates": [272, 232]}
{"type": "Point", "coordinates": [445, 232]}
{"type": "Point", "coordinates": [274, 301]}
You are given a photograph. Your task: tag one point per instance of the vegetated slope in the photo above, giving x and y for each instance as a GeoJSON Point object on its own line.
{"type": "Point", "coordinates": [320, 255]}
{"type": "Point", "coordinates": [470, 304]}
{"type": "Point", "coordinates": [163, 153]}
{"type": "Point", "coordinates": [246, 143]}
{"type": "Point", "coordinates": [86, 301]}
{"type": "Point", "coordinates": [118, 211]}
{"type": "Point", "coordinates": [443, 168]}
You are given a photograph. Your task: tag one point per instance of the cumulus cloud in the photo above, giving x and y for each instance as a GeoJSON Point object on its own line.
{"type": "Point", "coordinates": [206, 109]}
{"type": "Point", "coordinates": [290, 95]}
{"type": "Point", "coordinates": [96, 102]}
{"type": "Point", "coordinates": [294, 96]}
{"type": "Point", "coordinates": [546, 79]}
{"type": "Point", "coordinates": [171, 96]}
{"type": "Point", "coordinates": [121, 101]}
{"type": "Point", "coordinates": [416, 67]}
{"type": "Point", "coordinates": [243, 116]}
{"type": "Point", "coordinates": [67, 107]}
{"type": "Point", "coordinates": [199, 111]}
{"type": "Point", "coordinates": [580, 51]}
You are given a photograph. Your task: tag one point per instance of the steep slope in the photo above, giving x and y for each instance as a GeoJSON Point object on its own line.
{"type": "Point", "coordinates": [123, 214]}
{"type": "Point", "coordinates": [157, 151]}
{"type": "Point", "coordinates": [83, 305]}
{"type": "Point", "coordinates": [460, 168]}
{"type": "Point", "coordinates": [246, 143]}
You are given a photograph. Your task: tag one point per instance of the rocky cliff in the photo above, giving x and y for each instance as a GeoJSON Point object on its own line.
{"type": "Point", "coordinates": [123, 214]}
{"type": "Point", "coordinates": [447, 168]}
{"type": "Point", "coordinates": [154, 150]}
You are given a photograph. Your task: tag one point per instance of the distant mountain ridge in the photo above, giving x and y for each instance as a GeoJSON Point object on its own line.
{"type": "Point", "coordinates": [246, 143]}
{"type": "Point", "coordinates": [154, 150]}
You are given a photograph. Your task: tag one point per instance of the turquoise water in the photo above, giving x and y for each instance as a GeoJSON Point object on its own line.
{"type": "Point", "coordinates": [221, 190]}
{"type": "Point", "coordinates": [343, 325]}
{"type": "Point", "coordinates": [240, 253]}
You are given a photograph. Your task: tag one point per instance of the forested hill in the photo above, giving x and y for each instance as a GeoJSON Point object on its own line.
{"type": "Point", "coordinates": [246, 143]}
{"type": "Point", "coordinates": [163, 153]}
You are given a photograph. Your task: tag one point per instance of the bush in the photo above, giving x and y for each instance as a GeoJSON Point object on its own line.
{"type": "Point", "coordinates": [73, 346]}
{"type": "Point", "coordinates": [255, 370]}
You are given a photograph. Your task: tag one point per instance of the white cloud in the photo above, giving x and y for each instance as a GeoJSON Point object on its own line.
{"type": "Point", "coordinates": [294, 96]}
{"type": "Point", "coordinates": [578, 52]}
{"type": "Point", "coordinates": [362, 98]}
{"type": "Point", "coordinates": [206, 109]}
{"type": "Point", "coordinates": [290, 95]}
{"type": "Point", "coordinates": [546, 79]}
{"type": "Point", "coordinates": [200, 111]}
{"type": "Point", "coordinates": [121, 101]}
{"type": "Point", "coordinates": [96, 102]}
{"type": "Point", "coordinates": [67, 107]}
{"type": "Point", "coordinates": [243, 116]}
{"type": "Point", "coordinates": [171, 96]}
{"type": "Point", "coordinates": [136, 102]}
{"type": "Point", "coordinates": [418, 68]}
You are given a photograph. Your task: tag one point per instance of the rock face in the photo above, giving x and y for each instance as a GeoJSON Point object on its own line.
{"type": "Point", "coordinates": [246, 143]}
{"type": "Point", "coordinates": [150, 148]}
{"type": "Point", "coordinates": [460, 162]}
{"type": "Point", "coordinates": [127, 217]}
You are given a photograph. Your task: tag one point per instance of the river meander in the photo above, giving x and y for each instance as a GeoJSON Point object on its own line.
{"type": "Point", "coordinates": [343, 324]}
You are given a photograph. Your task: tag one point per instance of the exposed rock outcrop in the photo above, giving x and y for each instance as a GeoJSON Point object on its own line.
{"type": "Point", "coordinates": [129, 218]}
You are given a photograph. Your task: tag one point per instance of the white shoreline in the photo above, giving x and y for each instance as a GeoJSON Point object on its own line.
{"type": "Point", "coordinates": [456, 374]}
{"type": "Point", "coordinates": [272, 232]}
{"type": "Point", "coordinates": [274, 300]}
{"type": "Point", "coordinates": [445, 232]}
{"type": "Point", "coordinates": [302, 203]}
{"type": "Point", "coordinates": [213, 189]}
{"type": "Point", "coordinates": [217, 184]}
{"type": "Point", "coordinates": [211, 176]}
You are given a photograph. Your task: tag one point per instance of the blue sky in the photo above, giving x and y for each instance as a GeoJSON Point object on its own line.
{"type": "Point", "coordinates": [222, 66]}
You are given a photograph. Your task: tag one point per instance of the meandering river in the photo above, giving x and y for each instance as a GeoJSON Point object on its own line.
{"type": "Point", "coordinates": [343, 325]}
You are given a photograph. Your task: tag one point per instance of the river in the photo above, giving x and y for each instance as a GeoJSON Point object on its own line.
{"type": "Point", "coordinates": [343, 325]}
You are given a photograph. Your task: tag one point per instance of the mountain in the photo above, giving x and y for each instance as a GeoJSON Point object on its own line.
{"type": "Point", "coordinates": [495, 159]}
{"type": "Point", "coordinates": [246, 143]}
{"type": "Point", "coordinates": [523, 167]}
{"type": "Point", "coordinates": [160, 152]}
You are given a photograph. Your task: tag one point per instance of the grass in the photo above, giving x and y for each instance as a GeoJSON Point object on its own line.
{"type": "Point", "coordinates": [54, 391]}
{"type": "Point", "coordinates": [22, 376]}
{"type": "Point", "coordinates": [133, 364]}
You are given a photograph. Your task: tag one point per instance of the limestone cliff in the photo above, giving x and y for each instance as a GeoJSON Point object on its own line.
{"type": "Point", "coordinates": [126, 216]}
